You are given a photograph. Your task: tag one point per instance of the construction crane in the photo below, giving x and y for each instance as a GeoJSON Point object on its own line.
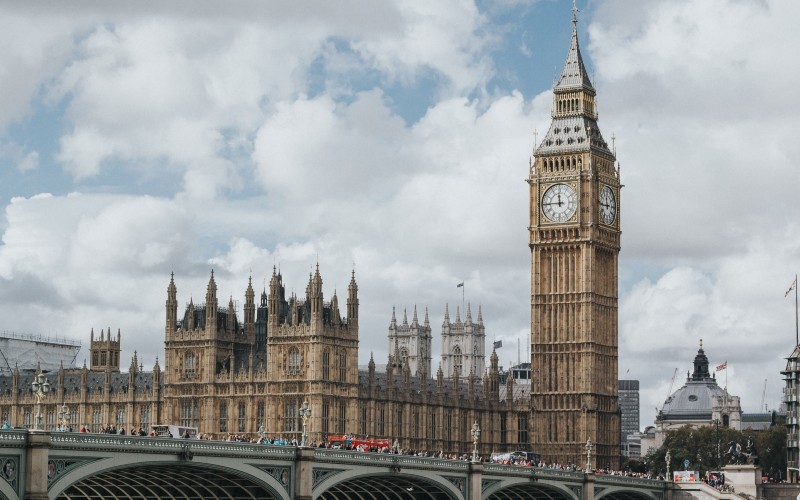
{"type": "Point", "coordinates": [674, 374]}
{"type": "Point", "coordinates": [764, 396]}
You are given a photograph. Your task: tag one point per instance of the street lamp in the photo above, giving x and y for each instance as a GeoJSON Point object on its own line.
{"type": "Point", "coordinates": [64, 417]}
{"type": "Point", "coordinates": [667, 458]}
{"type": "Point", "coordinates": [261, 434]}
{"type": "Point", "coordinates": [588, 449]}
{"type": "Point", "coordinates": [40, 386]}
{"type": "Point", "coordinates": [305, 414]}
{"type": "Point", "coordinates": [716, 424]}
{"type": "Point", "coordinates": [476, 433]}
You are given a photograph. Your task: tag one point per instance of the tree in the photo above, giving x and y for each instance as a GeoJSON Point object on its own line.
{"type": "Point", "coordinates": [706, 449]}
{"type": "Point", "coordinates": [772, 451]}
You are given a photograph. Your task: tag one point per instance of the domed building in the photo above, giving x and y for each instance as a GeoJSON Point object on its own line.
{"type": "Point", "coordinates": [701, 401]}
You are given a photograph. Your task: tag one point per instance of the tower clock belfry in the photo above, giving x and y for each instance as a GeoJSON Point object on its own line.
{"type": "Point", "coordinates": [575, 241]}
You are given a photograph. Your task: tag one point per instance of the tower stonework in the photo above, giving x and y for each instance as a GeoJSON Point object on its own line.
{"type": "Point", "coordinates": [104, 352]}
{"type": "Point", "coordinates": [575, 241]}
{"type": "Point", "coordinates": [463, 345]}
{"type": "Point", "coordinates": [410, 344]}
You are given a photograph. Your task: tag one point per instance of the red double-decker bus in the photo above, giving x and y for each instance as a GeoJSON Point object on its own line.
{"type": "Point", "coordinates": [353, 442]}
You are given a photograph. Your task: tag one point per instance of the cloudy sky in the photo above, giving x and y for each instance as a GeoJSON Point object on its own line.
{"type": "Point", "coordinates": [138, 139]}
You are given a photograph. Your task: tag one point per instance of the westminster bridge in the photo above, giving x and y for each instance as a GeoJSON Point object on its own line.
{"type": "Point", "coordinates": [43, 465]}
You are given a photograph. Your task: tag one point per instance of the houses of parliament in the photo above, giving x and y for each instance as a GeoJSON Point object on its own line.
{"type": "Point", "coordinates": [228, 371]}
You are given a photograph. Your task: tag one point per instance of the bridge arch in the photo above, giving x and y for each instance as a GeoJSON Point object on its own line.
{"type": "Point", "coordinates": [392, 486]}
{"type": "Point", "coordinates": [518, 489]}
{"type": "Point", "coordinates": [7, 492]}
{"type": "Point", "coordinates": [622, 493]}
{"type": "Point", "coordinates": [166, 479]}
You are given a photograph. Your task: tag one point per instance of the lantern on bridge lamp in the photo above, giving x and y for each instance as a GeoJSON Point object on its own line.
{"type": "Point", "coordinates": [305, 414]}
{"type": "Point", "coordinates": [40, 386]}
{"type": "Point", "coordinates": [588, 448]}
{"type": "Point", "coordinates": [476, 433]}
{"type": "Point", "coordinates": [64, 417]}
{"type": "Point", "coordinates": [667, 458]}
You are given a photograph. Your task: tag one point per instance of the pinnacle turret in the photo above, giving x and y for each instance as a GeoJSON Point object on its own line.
{"type": "Point", "coordinates": [574, 75]}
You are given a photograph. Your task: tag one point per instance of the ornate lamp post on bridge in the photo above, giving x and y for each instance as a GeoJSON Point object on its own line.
{"type": "Point", "coordinates": [667, 458]}
{"type": "Point", "coordinates": [64, 418]}
{"type": "Point", "coordinates": [476, 433]}
{"type": "Point", "coordinates": [305, 414]}
{"type": "Point", "coordinates": [40, 386]}
{"type": "Point", "coordinates": [261, 434]}
{"type": "Point", "coordinates": [588, 449]}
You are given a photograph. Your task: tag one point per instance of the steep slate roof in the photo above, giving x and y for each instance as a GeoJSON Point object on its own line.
{"type": "Point", "coordinates": [577, 132]}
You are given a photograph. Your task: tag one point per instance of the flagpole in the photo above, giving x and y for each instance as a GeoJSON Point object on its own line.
{"type": "Point", "coordinates": [796, 323]}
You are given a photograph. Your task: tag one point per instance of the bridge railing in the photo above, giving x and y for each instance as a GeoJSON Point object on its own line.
{"type": "Point", "coordinates": [388, 460]}
{"type": "Point", "coordinates": [145, 444]}
{"type": "Point", "coordinates": [13, 437]}
{"type": "Point", "coordinates": [628, 481]}
{"type": "Point", "coordinates": [528, 471]}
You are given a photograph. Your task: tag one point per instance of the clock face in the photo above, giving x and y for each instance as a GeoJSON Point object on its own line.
{"type": "Point", "coordinates": [559, 202]}
{"type": "Point", "coordinates": [608, 205]}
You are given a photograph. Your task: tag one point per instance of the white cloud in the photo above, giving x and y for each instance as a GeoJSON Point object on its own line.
{"type": "Point", "coordinates": [277, 120]}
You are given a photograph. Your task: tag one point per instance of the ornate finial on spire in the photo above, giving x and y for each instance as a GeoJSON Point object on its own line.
{"type": "Point", "coordinates": [701, 343]}
{"type": "Point", "coordinates": [574, 12]}
{"type": "Point", "coordinates": [614, 144]}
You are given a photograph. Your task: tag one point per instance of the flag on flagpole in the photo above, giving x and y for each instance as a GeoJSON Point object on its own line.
{"type": "Point", "coordinates": [723, 366]}
{"type": "Point", "coordinates": [498, 344]}
{"type": "Point", "coordinates": [791, 287]}
{"type": "Point", "coordinates": [460, 285]}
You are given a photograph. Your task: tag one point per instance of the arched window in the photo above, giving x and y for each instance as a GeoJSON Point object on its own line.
{"type": "Point", "coordinates": [326, 365]}
{"type": "Point", "coordinates": [294, 361]}
{"type": "Point", "coordinates": [223, 416]}
{"type": "Point", "coordinates": [725, 421]}
{"type": "Point", "coordinates": [342, 367]}
{"type": "Point", "coordinates": [242, 416]}
{"type": "Point", "coordinates": [190, 363]}
{"type": "Point", "coordinates": [457, 360]}
{"type": "Point", "coordinates": [404, 356]}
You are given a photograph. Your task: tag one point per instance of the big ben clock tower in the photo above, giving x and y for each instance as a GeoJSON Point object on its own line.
{"type": "Point", "coordinates": [575, 241]}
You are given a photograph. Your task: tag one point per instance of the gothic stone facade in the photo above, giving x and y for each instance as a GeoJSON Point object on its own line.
{"type": "Point", "coordinates": [224, 375]}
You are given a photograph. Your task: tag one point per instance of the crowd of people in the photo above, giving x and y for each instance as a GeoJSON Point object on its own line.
{"type": "Point", "coordinates": [504, 459]}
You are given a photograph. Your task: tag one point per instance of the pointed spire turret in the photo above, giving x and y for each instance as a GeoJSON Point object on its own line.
{"type": "Point", "coordinates": [352, 304]}
{"type": "Point", "coordinates": [171, 306]}
{"type": "Point", "coordinates": [414, 321]}
{"type": "Point", "coordinates": [211, 306]}
{"type": "Point", "coordinates": [574, 126]}
{"type": "Point", "coordinates": [574, 74]}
